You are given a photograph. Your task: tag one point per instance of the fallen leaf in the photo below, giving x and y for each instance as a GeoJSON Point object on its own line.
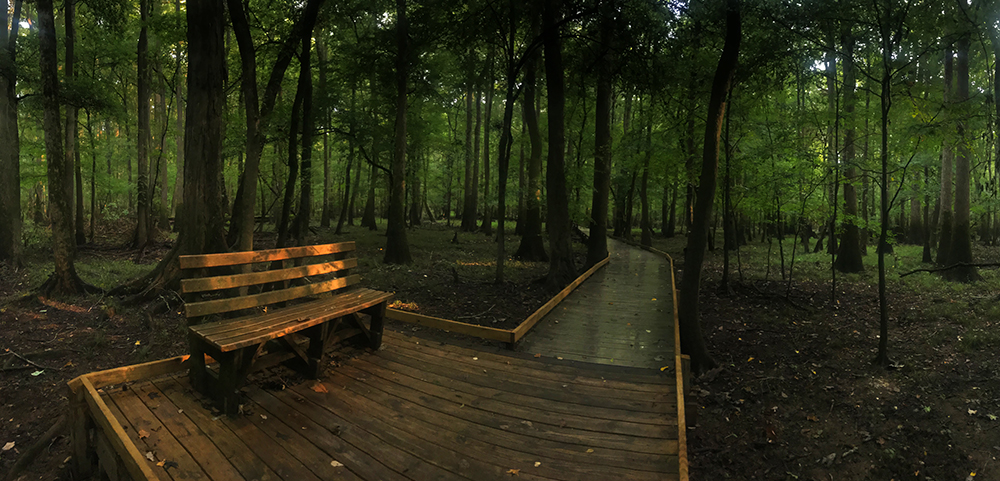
{"type": "Point", "coordinates": [664, 368]}
{"type": "Point", "coordinates": [8, 446]}
{"type": "Point", "coordinates": [654, 298]}
{"type": "Point", "coordinates": [37, 373]}
{"type": "Point", "coordinates": [162, 462]}
{"type": "Point", "coordinates": [143, 434]}
{"type": "Point", "coordinates": [972, 412]}
{"type": "Point", "coordinates": [336, 463]}
{"type": "Point", "coordinates": [68, 364]}
{"type": "Point", "coordinates": [538, 355]}
{"type": "Point", "coordinates": [590, 450]}
{"type": "Point", "coordinates": [475, 359]}
{"type": "Point", "coordinates": [149, 456]}
{"type": "Point", "coordinates": [812, 418]}
{"type": "Point", "coordinates": [538, 463]}
{"type": "Point", "coordinates": [138, 342]}
{"type": "Point", "coordinates": [319, 387]}
{"type": "Point", "coordinates": [263, 417]}
{"type": "Point", "coordinates": [513, 472]}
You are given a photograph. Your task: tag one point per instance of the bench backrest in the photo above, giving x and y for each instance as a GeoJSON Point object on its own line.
{"type": "Point", "coordinates": [233, 285]}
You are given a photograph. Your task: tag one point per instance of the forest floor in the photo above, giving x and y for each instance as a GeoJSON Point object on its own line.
{"type": "Point", "coordinates": [796, 398]}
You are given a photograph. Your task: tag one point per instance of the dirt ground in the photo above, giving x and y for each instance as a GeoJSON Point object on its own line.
{"type": "Point", "coordinates": [796, 396]}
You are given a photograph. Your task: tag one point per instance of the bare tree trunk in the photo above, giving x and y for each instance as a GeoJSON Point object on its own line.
{"type": "Point", "coordinates": [597, 243]}
{"type": "Point", "coordinates": [961, 244]}
{"type": "Point", "coordinates": [532, 246]}
{"type": "Point", "coordinates": [142, 211]}
{"type": "Point", "coordinates": [301, 226]}
{"type": "Point", "coordinates": [562, 269]}
{"type": "Point", "coordinates": [469, 204]}
{"type": "Point", "coordinates": [397, 249]}
{"type": "Point", "coordinates": [849, 258]}
{"type": "Point", "coordinates": [692, 342]}
{"type": "Point", "coordinates": [10, 167]}
{"type": "Point", "coordinates": [59, 169]}
{"type": "Point", "coordinates": [487, 225]}
{"type": "Point", "coordinates": [178, 195]}
{"type": "Point", "coordinates": [947, 165]}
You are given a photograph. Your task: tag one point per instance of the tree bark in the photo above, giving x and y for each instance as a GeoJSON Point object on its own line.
{"type": "Point", "coordinates": [10, 167]}
{"type": "Point", "coordinates": [487, 226]}
{"type": "Point", "coordinates": [59, 170]}
{"type": "Point", "coordinates": [258, 115]}
{"type": "Point", "coordinates": [469, 204]}
{"type": "Point", "coordinates": [692, 342]}
{"type": "Point", "coordinates": [849, 256]}
{"type": "Point", "coordinates": [142, 211]}
{"type": "Point", "coordinates": [597, 243]}
{"type": "Point", "coordinates": [532, 246]}
{"type": "Point", "coordinates": [961, 243]}
{"type": "Point", "coordinates": [178, 195]}
{"type": "Point", "coordinates": [326, 214]}
{"type": "Point", "coordinates": [947, 166]}
{"type": "Point", "coordinates": [397, 249]}
{"type": "Point", "coordinates": [301, 226]}
{"type": "Point", "coordinates": [562, 268]}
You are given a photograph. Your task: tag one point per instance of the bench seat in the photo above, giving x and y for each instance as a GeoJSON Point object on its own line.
{"type": "Point", "coordinates": [251, 330]}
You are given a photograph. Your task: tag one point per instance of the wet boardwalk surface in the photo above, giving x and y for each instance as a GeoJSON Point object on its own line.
{"type": "Point", "coordinates": [417, 410]}
{"type": "Point", "coordinates": [622, 315]}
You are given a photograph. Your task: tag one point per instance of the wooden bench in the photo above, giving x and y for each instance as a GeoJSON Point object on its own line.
{"type": "Point", "coordinates": [268, 312]}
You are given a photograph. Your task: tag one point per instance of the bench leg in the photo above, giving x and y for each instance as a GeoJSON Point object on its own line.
{"type": "Point", "coordinates": [197, 373]}
{"type": "Point", "coordinates": [378, 320]}
{"type": "Point", "coordinates": [228, 397]}
{"type": "Point", "coordinates": [317, 344]}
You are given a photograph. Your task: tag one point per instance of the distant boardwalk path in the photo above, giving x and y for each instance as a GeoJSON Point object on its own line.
{"type": "Point", "coordinates": [622, 315]}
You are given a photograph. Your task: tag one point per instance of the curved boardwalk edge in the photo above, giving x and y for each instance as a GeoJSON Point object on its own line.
{"type": "Point", "coordinates": [510, 336]}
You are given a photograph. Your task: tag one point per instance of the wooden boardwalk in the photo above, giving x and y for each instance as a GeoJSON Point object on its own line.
{"type": "Point", "coordinates": [417, 410]}
{"type": "Point", "coordinates": [623, 315]}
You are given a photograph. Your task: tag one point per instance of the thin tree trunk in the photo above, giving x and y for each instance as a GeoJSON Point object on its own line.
{"type": "Point", "coordinates": [469, 204]}
{"type": "Point", "coordinates": [301, 226]}
{"type": "Point", "coordinates": [532, 246]}
{"type": "Point", "coordinates": [179, 132]}
{"type": "Point", "coordinates": [142, 212]}
{"type": "Point", "coordinates": [849, 256]}
{"type": "Point", "coordinates": [487, 225]}
{"type": "Point", "coordinates": [692, 342]}
{"type": "Point", "coordinates": [947, 166]}
{"type": "Point", "coordinates": [327, 212]}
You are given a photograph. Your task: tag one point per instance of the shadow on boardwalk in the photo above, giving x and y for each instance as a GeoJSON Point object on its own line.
{"type": "Point", "coordinates": [622, 315]}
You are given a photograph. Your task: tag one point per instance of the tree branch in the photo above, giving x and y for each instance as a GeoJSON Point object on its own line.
{"type": "Point", "coordinates": [957, 264]}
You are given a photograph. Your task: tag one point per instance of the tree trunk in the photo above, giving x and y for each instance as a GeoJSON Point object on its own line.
{"type": "Point", "coordinates": [397, 249]}
{"type": "Point", "coordinates": [597, 243]}
{"type": "Point", "coordinates": [142, 211]}
{"type": "Point", "coordinates": [469, 204]}
{"type": "Point", "coordinates": [59, 169]}
{"type": "Point", "coordinates": [532, 246]}
{"type": "Point", "coordinates": [293, 163]}
{"type": "Point", "coordinates": [947, 165]}
{"type": "Point", "coordinates": [258, 115]}
{"type": "Point", "coordinates": [562, 269]}
{"type": "Point", "coordinates": [692, 342]}
{"type": "Point", "coordinates": [72, 129]}
{"type": "Point", "coordinates": [301, 226]}
{"type": "Point", "coordinates": [327, 212]}
{"type": "Point", "coordinates": [961, 244]}
{"type": "Point", "coordinates": [849, 258]}
{"type": "Point", "coordinates": [346, 203]}
{"type": "Point", "coordinates": [487, 226]}
{"type": "Point", "coordinates": [646, 238]}
{"type": "Point", "coordinates": [10, 167]}
{"type": "Point", "coordinates": [179, 135]}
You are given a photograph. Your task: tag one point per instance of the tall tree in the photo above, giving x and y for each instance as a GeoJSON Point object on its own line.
{"type": "Point", "coordinates": [469, 199]}
{"type": "Point", "coordinates": [58, 169]}
{"type": "Point", "coordinates": [947, 168]}
{"type": "Point", "coordinates": [692, 342]}
{"type": "Point", "coordinates": [301, 225]}
{"type": "Point", "coordinates": [532, 246]}
{"type": "Point", "coordinates": [10, 168]}
{"type": "Point", "coordinates": [961, 243]}
{"type": "Point", "coordinates": [397, 249]}
{"type": "Point", "coordinates": [72, 126]}
{"type": "Point", "coordinates": [849, 258]}
{"type": "Point", "coordinates": [561, 266]}
{"type": "Point", "coordinates": [487, 226]}
{"type": "Point", "coordinates": [258, 110]}
{"type": "Point", "coordinates": [143, 213]}
{"type": "Point", "coordinates": [597, 243]}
